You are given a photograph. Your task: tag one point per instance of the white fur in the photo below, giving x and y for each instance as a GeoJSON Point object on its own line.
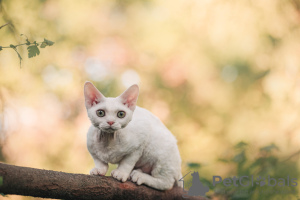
{"type": "Point", "coordinates": [144, 149]}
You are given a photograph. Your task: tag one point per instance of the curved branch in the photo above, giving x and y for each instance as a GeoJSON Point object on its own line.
{"type": "Point", "coordinates": [59, 185]}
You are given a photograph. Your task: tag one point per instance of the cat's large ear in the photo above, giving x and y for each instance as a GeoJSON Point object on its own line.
{"type": "Point", "coordinates": [92, 95]}
{"type": "Point", "coordinates": [130, 96]}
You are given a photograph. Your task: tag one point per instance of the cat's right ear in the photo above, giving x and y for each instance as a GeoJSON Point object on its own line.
{"type": "Point", "coordinates": [92, 95]}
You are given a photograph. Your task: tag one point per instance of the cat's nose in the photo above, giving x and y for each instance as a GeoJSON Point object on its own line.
{"type": "Point", "coordinates": [110, 123]}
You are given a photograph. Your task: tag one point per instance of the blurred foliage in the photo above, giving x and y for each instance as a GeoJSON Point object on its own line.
{"type": "Point", "coordinates": [216, 72]}
{"type": "Point", "coordinates": [264, 164]}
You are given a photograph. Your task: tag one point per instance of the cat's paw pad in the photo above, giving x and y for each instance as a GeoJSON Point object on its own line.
{"type": "Point", "coordinates": [137, 176]}
{"type": "Point", "coordinates": [119, 175]}
{"type": "Point", "coordinates": [98, 171]}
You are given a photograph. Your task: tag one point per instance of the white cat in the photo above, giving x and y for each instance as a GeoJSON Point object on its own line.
{"type": "Point", "coordinates": [125, 134]}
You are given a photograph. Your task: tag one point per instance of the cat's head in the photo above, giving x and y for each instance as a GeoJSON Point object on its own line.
{"type": "Point", "coordinates": [110, 114]}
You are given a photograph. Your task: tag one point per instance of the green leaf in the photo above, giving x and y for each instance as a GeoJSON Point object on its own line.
{"type": "Point", "coordinates": [241, 145]}
{"type": "Point", "coordinates": [241, 157]}
{"type": "Point", "coordinates": [272, 160]}
{"type": "Point", "coordinates": [262, 74]}
{"type": "Point", "coordinates": [269, 148]}
{"type": "Point", "coordinates": [1, 180]}
{"type": "Point", "coordinates": [223, 160]}
{"type": "Point", "coordinates": [43, 45]}
{"type": "Point", "coordinates": [206, 182]}
{"type": "Point", "coordinates": [12, 46]}
{"type": "Point", "coordinates": [46, 43]}
{"type": "Point", "coordinates": [256, 163]}
{"type": "Point", "coordinates": [2, 194]}
{"type": "Point", "coordinates": [27, 42]}
{"type": "Point", "coordinates": [193, 165]}
{"type": "Point", "coordinates": [0, 48]}
{"type": "Point", "coordinates": [33, 51]}
{"type": "Point", "coordinates": [49, 43]}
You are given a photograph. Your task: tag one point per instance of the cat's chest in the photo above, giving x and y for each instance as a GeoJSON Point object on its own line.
{"type": "Point", "coordinates": [112, 151]}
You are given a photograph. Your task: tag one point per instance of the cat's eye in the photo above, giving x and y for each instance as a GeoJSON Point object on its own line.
{"type": "Point", "coordinates": [121, 114]}
{"type": "Point", "coordinates": [100, 113]}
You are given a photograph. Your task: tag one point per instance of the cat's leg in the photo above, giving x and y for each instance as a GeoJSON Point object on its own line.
{"type": "Point", "coordinates": [157, 179]}
{"type": "Point", "coordinates": [100, 168]}
{"type": "Point", "coordinates": [125, 166]}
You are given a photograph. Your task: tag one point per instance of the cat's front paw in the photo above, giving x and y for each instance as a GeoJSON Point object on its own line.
{"type": "Point", "coordinates": [120, 175]}
{"type": "Point", "coordinates": [137, 176]}
{"type": "Point", "coordinates": [98, 171]}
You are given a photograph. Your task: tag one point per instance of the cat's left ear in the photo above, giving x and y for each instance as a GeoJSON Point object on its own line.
{"type": "Point", "coordinates": [130, 96]}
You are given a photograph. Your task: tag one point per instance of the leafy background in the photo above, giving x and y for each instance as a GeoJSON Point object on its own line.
{"type": "Point", "coordinates": [223, 75]}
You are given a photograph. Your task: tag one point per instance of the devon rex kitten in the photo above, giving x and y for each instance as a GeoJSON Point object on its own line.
{"type": "Point", "coordinates": [125, 134]}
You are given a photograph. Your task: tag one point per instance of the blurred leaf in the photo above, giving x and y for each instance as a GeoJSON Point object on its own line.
{"type": "Point", "coordinates": [43, 45]}
{"type": "Point", "coordinates": [223, 160]}
{"type": "Point", "coordinates": [256, 163]}
{"type": "Point", "coordinates": [1, 180]}
{"type": "Point", "coordinates": [273, 40]}
{"type": "Point", "coordinates": [262, 74]}
{"type": "Point", "coordinates": [241, 145]}
{"type": "Point", "coordinates": [272, 160]}
{"type": "Point", "coordinates": [239, 157]}
{"type": "Point", "coordinates": [193, 165]}
{"type": "Point", "coordinates": [206, 182]}
{"type": "Point", "coordinates": [33, 51]}
{"type": "Point", "coordinates": [269, 148]}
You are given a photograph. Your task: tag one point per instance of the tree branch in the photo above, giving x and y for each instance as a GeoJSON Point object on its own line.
{"type": "Point", "coordinates": [59, 185]}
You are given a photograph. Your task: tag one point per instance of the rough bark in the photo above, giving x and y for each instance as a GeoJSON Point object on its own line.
{"type": "Point", "coordinates": [59, 185]}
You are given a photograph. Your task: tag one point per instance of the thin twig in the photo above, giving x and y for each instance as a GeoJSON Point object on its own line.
{"type": "Point", "coordinates": [19, 45]}
{"type": "Point", "coordinates": [4, 25]}
{"type": "Point", "coordinates": [294, 154]}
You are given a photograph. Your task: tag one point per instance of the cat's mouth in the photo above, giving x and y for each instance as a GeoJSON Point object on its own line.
{"type": "Point", "coordinates": [108, 129]}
